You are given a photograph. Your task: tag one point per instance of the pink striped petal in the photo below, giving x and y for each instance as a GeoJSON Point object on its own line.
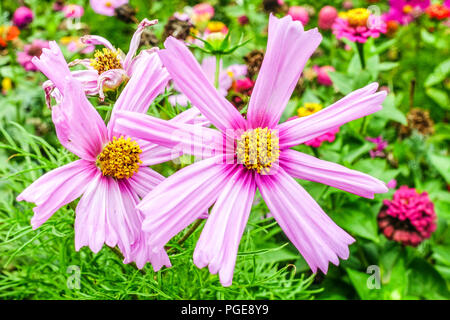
{"type": "Point", "coordinates": [219, 241]}
{"type": "Point", "coordinates": [143, 181]}
{"type": "Point", "coordinates": [357, 104]}
{"type": "Point", "coordinates": [57, 188]}
{"type": "Point", "coordinates": [314, 234]}
{"type": "Point", "coordinates": [97, 40]}
{"type": "Point", "coordinates": [79, 127]}
{"type": "Point", "coordinates": [183, 197]}
{"type": "Point", "coordinates": [288, 49]}
{"type": "Point", "coordinates": [190, 139]}
{"type": "Point", "coordinates": [191, 80]}
{"type": "Point", "coordinates": [106, 214]}
{"type": "Point", "coordinates": [303, 166]}
{"type": "Point", "coordinates": [135, 40]}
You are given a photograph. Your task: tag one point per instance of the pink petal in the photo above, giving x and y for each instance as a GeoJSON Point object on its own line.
{"type": "Point", "coordinates": [303, 166]}
{"type": "Point", "coordinates": [183, 197]}
{"type": "Point", "coordinates": [148, 81]}
{"type": "Point", "coordinates": [191, 80]}
{"type": "Point", "coordinates": [143, 181]}
{"type": "Point", "coordinates": [219, 241]}
{"type": "Point", "coordinates": [57, 188]}
{"type": "Point", "coordinates": [189, 139]}
{"type": "Point", "coordinates": [288, 49]}
{"type": "Point", "coordinates": [53, 64]}
{"type": "Point", "coordinates": [97, 40]}
{"type": "Point", "coordinates": [106, 214]}
{"type": "Point", "coordinates": [357, 104]}
{"type": "Point", "coordinates": [314, 234]}
{"type": "Point", "coordinates": [78, 125]}
{"type": "Point", "coordinates": [135, 40]}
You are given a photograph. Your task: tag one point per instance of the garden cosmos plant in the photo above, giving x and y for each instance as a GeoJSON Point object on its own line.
{"type": "Point", "coordinates": [109, 68]}
{"type": "Point", "coordinates": [257, 154]}
{"type": "Point", "coordinates": [112, 172]}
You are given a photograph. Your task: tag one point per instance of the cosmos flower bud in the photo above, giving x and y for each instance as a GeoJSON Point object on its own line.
{"type": "Point", "coordinates": [327, 15]}
{"type": "Point", "coordinates": [23, 16]}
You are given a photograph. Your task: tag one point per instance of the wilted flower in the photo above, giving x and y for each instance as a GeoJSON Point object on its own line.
{"type": "Point", "coordinates": [408, 218]}
{"type": "Point", "coordinates": [299, 13]}
{"type": "Point", "coordinates": [327, 15]}
{"type": "Point", "coordinates": [380, 145]}
{"type": "Point", "coordinates": [29, 51]}
{"type": "Point", "coordinates": [357, 25]}
{"type": "Point", "coordinates": [178, 28]}
{"type": "Point", "coordinates": [254, 61]}
{"type": "Point", "coordinates": [274, 6]}
{"type": "Point", "coordinates": [106, 7]}
{"type": "Point", "coordinates": [22, 17]}
{"type": "Point", "coordinates": [418, 119]}
{"type": "Point", "coordinates": [126, 13]}
{"type": "Point", "coordinates": [322, 74]}
{"type": "Point", "coordinates": [233, 170]}
{"type": "Point", "coordinates": [73, 11]}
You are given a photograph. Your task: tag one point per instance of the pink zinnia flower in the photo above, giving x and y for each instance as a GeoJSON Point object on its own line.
{"type": "Point", "coordinates": [106, 7]}
{"type": "Point", "coordinates": [392, 184]}
{"type": "Point", "coordinates": [329, 136]}
{"type": "Point", "coordinates": [322, 74]}
{"type": "Point", "coordinates": [408, 218]}
{"type": "Point", "coordinates": [405, 11]}
{"type": "Point", "coordinates": [31, 50]}
{"type": "Point", "coordinates": [73, 11]}
{"type": "Point", "coordinates": [232, 171]}
{"type": "Point", "coordinates": [357, 25]}
{"type": "Point", "coordinates": [112, 172]}
{"type": "Point", "coordinates": [380, 145]}
{"type": "Point", "coordinates": [298, 13]}
{"type": "Point", "coordinates": [327, 15]}
{"type": "Point", "coordinates": [110, 66]}
{"type": "Point", "coordinates": [22, 17]}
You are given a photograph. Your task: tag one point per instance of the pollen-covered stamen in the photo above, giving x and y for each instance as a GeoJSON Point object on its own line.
{"type": "Point", "coordinates": [105, 60]}
{"type": "Point", "coordinates": [120, 158]}
{"type": "Point", "coordinates": [258, 149]}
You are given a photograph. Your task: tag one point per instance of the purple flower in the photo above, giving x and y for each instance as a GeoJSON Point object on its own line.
{"type": "Point", "coordinates": [22, 17]}
{"type": "Point", "coordinates": [245, 154]}
{"type": "Point", "coordinates": [380, 145]}
{"type": "Point", "coordinates": [405, 11]}
{"type": "Point", "coordinates": [112, 172]}
{"type": "Point", "coordinates": [31, 50]}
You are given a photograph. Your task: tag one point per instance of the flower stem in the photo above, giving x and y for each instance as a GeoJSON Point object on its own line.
{"type": "Point", "coordinates": [216, 76]}
{"type": "Point", "coordinates": [360, 47]}
{"type": "Point", "coordinates": [362, 129]}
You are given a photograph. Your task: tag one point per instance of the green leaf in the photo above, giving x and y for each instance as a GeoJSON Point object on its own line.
{"type": "Point", "coordinates": [425, 281]}
{"type": "Point", "coordinates": [390, 112]}
{"type": "Point", "coordinates": [442, 165]}
{"type": "Point", "coordinates": [358, 222]}
{"type": "Point", "coordinates": [439, 73]}
{"type": "Point", "coordinates": [359, 281]}
{"type": "Point", "coordinates": [438, 96]}
{"type": "Point", "coordinates": [342, 82]}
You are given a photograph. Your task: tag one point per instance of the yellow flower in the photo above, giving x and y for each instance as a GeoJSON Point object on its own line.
{"type": "Point", "coordinates": [308, 109]}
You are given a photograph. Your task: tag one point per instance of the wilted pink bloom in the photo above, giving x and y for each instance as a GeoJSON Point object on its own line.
{"type": "Point", "coordinates": [299, 13]}
{"type": "Point", "coordinates": [22, 17]}
{"type": "Point", "coordinates": [329, 136]}
{"type": "Point", "coordinates": [106, 7]}
{"type": "Point", "coordinates": [408, 218]}
{"type": "Point", "coordinates": [112, 173]}
{"type": "Point", "coordinates": [322, 74]}
{"type": "Point", "coordinates": [73, 11]}
{"type": "Point", "coordinates": [243, 20]}
{"type": "Point", "coordinates": [392, 184]}
{"type": "Point", "coordinates": [229, 179]}
{"type": "Point", "coordinates": [380, 145]}
{"type": "Point", "coordinates": [357, 25]}
{"type": "Point", "coordinates": [327, 15]}
{"type": "Point", "coordinates": [110, 66]}
{"type": "Point", "coordinates": [29, 51]}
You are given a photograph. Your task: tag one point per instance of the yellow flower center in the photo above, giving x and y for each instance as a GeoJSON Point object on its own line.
{"type": "Point", "coordinates": [407, 8]}
{"type": "Point", "coordinates": [105, 60]}
{"type": "Point", "coordinates": [215, 26]}
{"type": "Point", "coordinates": [120, 158]}
{"type": "Point", "coordinates": [108, 4]}
{"type": "Point", "coordinates": [258, 149]}
{"type": "Point", "coordinates": [308, 109]}
{"type": "Point", "coordinates": [357, 17]}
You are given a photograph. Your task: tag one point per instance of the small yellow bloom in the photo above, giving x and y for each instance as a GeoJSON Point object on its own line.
{"type": "Point", "coordinates": [308, 109]}
{"type": "Point", "coordinates": [6, 85]}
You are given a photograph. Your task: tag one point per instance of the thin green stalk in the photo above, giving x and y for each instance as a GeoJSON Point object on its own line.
{"type": "Point", "coordinates": [360, 47]}
{"type": "Point", "coordinates": [216, 76]}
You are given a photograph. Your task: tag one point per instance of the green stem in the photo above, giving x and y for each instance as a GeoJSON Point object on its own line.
{"type": "Point", "coordinates": [362, 129]}
{"type": "Point", "coordinates": [216, 76]}
{"type": "Point", "coordinates": [360, 47]}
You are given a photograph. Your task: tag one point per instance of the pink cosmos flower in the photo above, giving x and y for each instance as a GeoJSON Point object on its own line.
{"type": "Point", "coordinates": [380, 145]}
{"type": "Point", "coordinates": [322, 74]}
{"type": "Point", "coordinates": [232, 169]}
{"type": "Point", "coordinates": [22, 17]}
{"type": "Point", "coordinates": [31, 50]}
{"type": "Point", "coordinates": [73, 11]}
{"type": "Point", "coordinates": [357, 25]}
{"type": "Point", "coordinates": [112, 172]}
{"type": "Point", "coordinates": [408, 218]}
{"type": "Point", "coordinates": [298, 13]}
{"type": "Point", "coordinates": [106, 7]}
{"type": "Point", "coordinates": [405, 11]}
{"type": "Point", "coordinates": [327, 15]}
{"type": "Point", "coordinates": [110, 66]}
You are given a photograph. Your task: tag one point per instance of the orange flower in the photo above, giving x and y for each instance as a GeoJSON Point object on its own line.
{"type": "Point", "coordinates": [438, 11]}
{"type": "Point", "coordinates": [8, 33]}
